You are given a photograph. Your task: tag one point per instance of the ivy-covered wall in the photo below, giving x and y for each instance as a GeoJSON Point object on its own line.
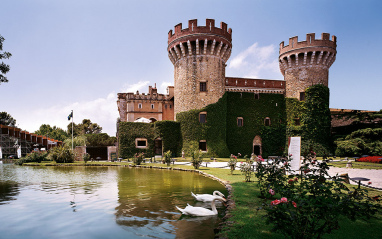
{"type": "Point", "coordinates": [128, 132]}
{"type": "Point", "coordinates": [254, 111]}
{"type": "Point", "coordinates": [315, 119]}
{"type": "Point", "coordinates": [213, 131]}
{"type": "Point", "coordinates": [168, 131]}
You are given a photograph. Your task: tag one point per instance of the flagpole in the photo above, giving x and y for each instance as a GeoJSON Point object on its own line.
{"type": "Point", "coordinates": [72, 130]}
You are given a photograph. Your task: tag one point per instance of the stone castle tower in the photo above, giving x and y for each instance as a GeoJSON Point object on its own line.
{"type": "Point", "coordinates": [199, 55]}
{"type": "Point", "coordinates": [306, 63]}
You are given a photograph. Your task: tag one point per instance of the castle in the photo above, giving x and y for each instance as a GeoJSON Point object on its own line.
{"type": "Point", "coordinates": [222, 115]}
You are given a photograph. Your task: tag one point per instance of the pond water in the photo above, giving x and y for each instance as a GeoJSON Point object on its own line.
{"type": "Point", "coordinates": [102, 202]}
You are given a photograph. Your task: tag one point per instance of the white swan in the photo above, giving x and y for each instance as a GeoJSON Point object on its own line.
{"type": "Point", "coordinates": [200, 211]}
{"type": "Point", "coordinates": [208, 197]}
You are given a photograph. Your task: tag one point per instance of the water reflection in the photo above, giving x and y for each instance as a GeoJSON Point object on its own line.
{"type": "Point", "coordinates": [109, 202]}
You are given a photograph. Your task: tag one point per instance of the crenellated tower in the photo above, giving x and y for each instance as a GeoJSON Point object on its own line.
{"type": "Point", "coordinates": [306, 63]}
{"type": "Point", "coordinates": [199, 55]}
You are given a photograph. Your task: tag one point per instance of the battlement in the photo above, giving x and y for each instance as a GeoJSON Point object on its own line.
{"type": "Point", "coordinates": [294, 44]}
{"type": "Point", "coordinates": [194, 29]}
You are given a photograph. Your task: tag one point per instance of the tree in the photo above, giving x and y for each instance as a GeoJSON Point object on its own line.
{"type": "Point", "coordinates": [86, 127]}
{"type": "Point", "coordinates": [52, 132]}
{"type": "Point", "coordinates": [7, 119]}
{"type": "Point", "coordinates": [101, 139]}
{"type": "Point", "coordinates": [4, 68]}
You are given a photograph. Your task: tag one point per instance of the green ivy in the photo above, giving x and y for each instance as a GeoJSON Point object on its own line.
{"type": "Point", "coordinates": [128, 132]}
{"type": "Point", "coordinates": [169, 132]}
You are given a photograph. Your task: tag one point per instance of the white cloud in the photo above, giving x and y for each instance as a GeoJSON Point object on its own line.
{"type": "Point", "coordinates": [140, 85]}
{"type": "Point", "coordinates": [163, 87]}
{"type": "Point", "coordinates": [255, 62]}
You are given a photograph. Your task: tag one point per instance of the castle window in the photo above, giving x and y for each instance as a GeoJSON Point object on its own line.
{"type": "Point", "coordinates": [203, 86]}
{"type": "Point", "coordinates": [165, 106]}
{"type": "Point", "coordinates": [203, 117]}
{"type": "Point", "coordinates": [203, 145]}
{"type": "Point", "coordinates": [170, 106]}
{"type": "Point", "coordinates": [139, 106]}
{"type": "Point", "coordinates": [152, 106]}
{"type": "Point", "coordinates": [297, 121]}
{"type": "Point", "coordinates": [267, 121]}
{"type": "Point", "coordinates": [257, 96]}
{"type": "Point", "coordinates": [239, 121]}
{"type": "Point", "coordinates": [302, 96]}
{"type": "Point", "coordinates": [141, 143]}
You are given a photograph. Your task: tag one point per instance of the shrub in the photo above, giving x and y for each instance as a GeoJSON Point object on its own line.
{"type": "Point", "coordinates": [167, 157]}
{"type": "Point", "coordinates": [86, 157]}
{"type": "Point", "coordinates": [138, 158]}
{"type": "Point", "coordinates": [371, 159]}
{"type": "Point", "coordinates": [62, 154]}
{"type": "Point", "coordinates": [246, 168]}
{"type": "Point", "coordinates": [312, 202]}
{"type": "Point", "coordinates": [33, 157]}
{"type": "Point", "coordinates": [196, 158]}
{"type": "Point", "coordinates": [232, 163]}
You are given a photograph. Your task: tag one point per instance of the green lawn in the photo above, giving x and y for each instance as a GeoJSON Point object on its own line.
{"type": "Point", "coordinates": [247, 222]}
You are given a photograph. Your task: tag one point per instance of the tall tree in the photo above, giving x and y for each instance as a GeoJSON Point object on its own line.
{"type": "Point", "coordinates": [4, 68]}
{"type": "Point", "coordinates": [101, 139]}
{"type": "Point", "coordinates": [86, 127]}
{"type": "Point", "coordinates": [7, 119]}
{"type": "Point", "coordinates": [52, 132]}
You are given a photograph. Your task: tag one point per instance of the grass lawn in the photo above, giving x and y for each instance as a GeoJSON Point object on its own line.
{"type": "Point", "coordinates": [247, 222]}
{"type": "Point", "coordinates": [360, 165]}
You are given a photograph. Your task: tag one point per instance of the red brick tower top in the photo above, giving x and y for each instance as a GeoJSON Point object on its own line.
{"type": "Point", "coordinates": [307, 62]}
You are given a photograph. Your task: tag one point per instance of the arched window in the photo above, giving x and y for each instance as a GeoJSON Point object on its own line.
{"type": "Point", "coordinates": [203, 117]}
{"type": "Point", "coordinates": [267, 121]}
{"type": "Point", "coordinates": [239, 121]}
{"type": "Point", "coordinates": [139, 106]}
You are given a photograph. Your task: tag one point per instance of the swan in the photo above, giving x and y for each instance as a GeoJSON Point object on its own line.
{"type": "Point", "coordinates": [200, 211]}
{"type": "Point", "coordinates": [208, 197]}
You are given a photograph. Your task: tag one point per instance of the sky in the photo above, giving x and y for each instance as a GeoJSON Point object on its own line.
{"type": "Point", "coordinates": [79, 54]}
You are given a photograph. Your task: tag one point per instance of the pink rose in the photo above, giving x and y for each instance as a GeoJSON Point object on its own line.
{"type": "Point", "coordinates": [284, 200]}
{"type": "Point", "coordinates": [290, 181]}
{"type": "Point", "coordinates": [294, 204]}
{"type": "Point", "coordinates": [295, 179]}
{"type": "Point", "coordinates": [369, 183]}
{"type": "Point", "coordinates": [275, 202]}
{"type": "Point", "coordinates": [271, 192]}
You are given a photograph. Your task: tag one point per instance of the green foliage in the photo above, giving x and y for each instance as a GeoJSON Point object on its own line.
{"type": "Point", "coordinates": [128, 132]}
{"type": "Point", "coordinates": [196, 158]}
{"type": "Point", "coordinates": [254, 111]}
{"type": "Point", "coordinates": [4, 68]}
{"type": "Point", "coordinates": [80, 140]}
{"type": "Point", "coordinates": [312, 202]}
{"type": "Point", "coordinates": [361, 142]}
{"type": "Point", "coordinates": [86, 157]}
{"type": "Point", "coordinates": [213, 131]}
{"type": "Point", "coordinates": [246, 167]}
{"type": "Point", "coordinates": [169, 132]}
{"type": "Point", "coordinates": [295, 110]}
{"type": "Point", "coordinates": [61, 154]}
{"type": "Point", "coordinates": [33, 157]}
{"type": "Point", "coordinates": [100, 139]}
{"type": "Point", "coordinates": [7, 119]}
{"type": "Point", "coordinates": [232, 163]}
{"type": "Point", "coordinates": [52, 132]}
{"type": "Point", "coordinates": [86, 127]}
{"type": "Point", "coordinates": [167, 157]}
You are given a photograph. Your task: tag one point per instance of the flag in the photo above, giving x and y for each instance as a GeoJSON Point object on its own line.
{"type": "Point", "coordinates": [70, 115]}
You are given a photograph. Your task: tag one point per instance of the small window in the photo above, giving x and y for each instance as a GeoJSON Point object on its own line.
{"type": "Point", "coordinates": [152, 106]}
{"type": "Point", "coordinates": [267, 121]}
{"type": "Point", "coordinates": [257, 96]}
{"type": "Point", "coordinates": [203, 117]}
{"type": "Point", "coordinates": [141, 143]}
{"type": "Point", "coordinates": [297, 121]}
{"type": "Point", "coordinates": [203, 86]}
{"type": "Point", "coordinates": [202, 145]}
{"type": "Point", "coordinates": [165, 106]}
{"type": "Point", "coordinates": [302, 96]}
{"type": "Point", "coordinates": [240, 121]}
{"type": "Point", "coordinates": [170, 106]}
{"type": "Point", "coordinates": [139, 106]}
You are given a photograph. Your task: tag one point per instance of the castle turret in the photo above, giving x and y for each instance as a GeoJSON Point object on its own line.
{"type": "Point", "coordinates": [199, 55]}
{"type": "Point", "coordinates": [306, 63]}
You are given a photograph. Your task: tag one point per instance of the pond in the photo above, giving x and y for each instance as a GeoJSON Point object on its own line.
{"type": "Point", "coordinates": [102, 202]}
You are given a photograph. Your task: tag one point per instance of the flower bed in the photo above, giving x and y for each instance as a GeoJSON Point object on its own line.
{"type": "Point", "coordinates": [371, 159]}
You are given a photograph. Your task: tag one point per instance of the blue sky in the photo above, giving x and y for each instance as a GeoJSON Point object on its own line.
{"type": "Point", "coordinates": [78, 54]}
